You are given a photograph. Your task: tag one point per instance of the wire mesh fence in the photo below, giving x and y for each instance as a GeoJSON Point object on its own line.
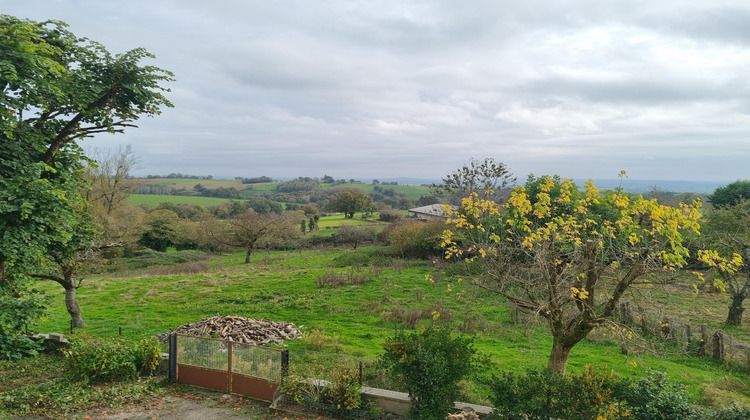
{"type": "Point", "coordinates": [257, 361]}
{"type": "Point", "coordinates": [202, 352]}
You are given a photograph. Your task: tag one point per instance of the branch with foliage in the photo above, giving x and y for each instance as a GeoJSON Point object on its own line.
{"type": "Point", "coordinates": [728, 233]}
{"type": "Point", "coordinates": [56, 89]}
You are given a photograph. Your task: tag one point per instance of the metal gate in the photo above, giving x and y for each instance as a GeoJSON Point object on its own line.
{"type": "Point", "coordinates": [227, 366]}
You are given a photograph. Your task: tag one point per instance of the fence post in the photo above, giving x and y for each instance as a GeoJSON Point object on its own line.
{"type": "Point", "coordinates": [284, 365]}
{"type": "Point", "coordinates": [704, 341]}
{"type": "Point", "coordinates": [718, 350]}
{"type": "Point", "coordinates": [230, 348]}
{"type": "Point", "coordinates": [688, 335]}
{"type": "Point", "coordinates": [361, 370]}
{"type": "Point", "coordinates": [172, 357]}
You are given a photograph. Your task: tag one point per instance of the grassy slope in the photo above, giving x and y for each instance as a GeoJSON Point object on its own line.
{"type": "Point", "coordinates": [281, 286]}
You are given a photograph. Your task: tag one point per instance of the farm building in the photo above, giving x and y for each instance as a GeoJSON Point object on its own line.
{"type": "Point", "coordinates": [431, 212]}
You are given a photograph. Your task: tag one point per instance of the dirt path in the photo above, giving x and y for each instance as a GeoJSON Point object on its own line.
{"type": "Point", "coordinates": [197, 405]}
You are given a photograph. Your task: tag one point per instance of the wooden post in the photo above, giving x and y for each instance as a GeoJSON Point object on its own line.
{"type": "Point", "coordinates": [688, 336]}
{"type": "Point", "coordinates": [361, 370]}
{"type": "Point", "coordinates": [718, 345]}
{"type": "Point", "coordinates": [704, 341]}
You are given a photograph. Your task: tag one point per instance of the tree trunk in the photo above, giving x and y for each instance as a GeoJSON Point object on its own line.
{"type": "Point", "coordinates": [248, 252]}
{"type": "Point", "coordinates": [558, 358]}
{"type": "Point", "coordinates": [735, 311]}
{"type": "Point", "coordinates": [72, 306]}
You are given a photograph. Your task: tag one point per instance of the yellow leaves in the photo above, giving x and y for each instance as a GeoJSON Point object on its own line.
{"type": "Point", "coordinates": [621, 200]}
{"type": "Point", "coordinates": [724, 265]}
{"type": "Point", "coordinates": [576, 293]}
{"type": "Point", "coordinates": [633, 238]}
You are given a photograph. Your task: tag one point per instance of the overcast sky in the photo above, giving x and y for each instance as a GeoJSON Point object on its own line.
{"type": "Point", "coordinates": [377, 89]}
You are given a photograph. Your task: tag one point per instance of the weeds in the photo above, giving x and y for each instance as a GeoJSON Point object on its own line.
{"type": "Point", "coordinates": [352, 276]}
{"type": "Point", "coordinates": [317, 340]}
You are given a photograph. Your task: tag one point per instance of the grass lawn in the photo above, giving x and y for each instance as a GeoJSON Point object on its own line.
{"type": "Point", "coordinates": [281, 286]}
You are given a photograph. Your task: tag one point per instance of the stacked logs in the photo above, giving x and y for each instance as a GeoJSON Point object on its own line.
{"type": "Point", "coordinates": [238, 329]}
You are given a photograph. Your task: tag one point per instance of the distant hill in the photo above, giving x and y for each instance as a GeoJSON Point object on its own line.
{"type": "Point", "coordinates": [630, 185]}
{"type": "Point", "coordinates": [646, 185]}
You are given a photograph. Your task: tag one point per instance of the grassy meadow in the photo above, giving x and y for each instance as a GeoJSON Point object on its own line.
{"type": "Point", "coordinates": [282, 286]}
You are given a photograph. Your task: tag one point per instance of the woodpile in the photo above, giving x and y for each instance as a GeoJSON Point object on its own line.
{"type": "Point", "coordinates": [239, 329]}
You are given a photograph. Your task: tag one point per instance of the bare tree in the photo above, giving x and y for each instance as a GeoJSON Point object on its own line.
{"type": "Point", "coordinates": [251, 231]}
{"type": "Point", "coordinates": [489, 178]}
{"type": "Point", "coordinates": [111, 184]}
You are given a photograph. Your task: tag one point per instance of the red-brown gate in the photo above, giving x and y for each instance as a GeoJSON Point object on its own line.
{"type": "Point", "coordinates": [227, 366]}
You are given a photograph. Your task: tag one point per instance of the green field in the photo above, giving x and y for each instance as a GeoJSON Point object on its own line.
{"type": "Point", "coordinates": [282, 286]}
{"type": "Point", "coordinates": [154, 200]}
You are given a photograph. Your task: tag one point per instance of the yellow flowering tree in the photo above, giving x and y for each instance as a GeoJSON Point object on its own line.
{"type": "Point", "coordinates": [566, 254]}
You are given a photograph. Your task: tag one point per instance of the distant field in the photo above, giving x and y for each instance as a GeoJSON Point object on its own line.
{"type": "Point", "coordinates": [411, 191]}
{"type": "Point", "coordinates": [248, 190]}
{"type": "Point", "coordinates": [154, 200]}
{"type": "Point", "coordinates": [188, 184]}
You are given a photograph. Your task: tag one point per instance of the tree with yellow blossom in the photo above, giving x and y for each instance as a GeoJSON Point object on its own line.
{"type": "Point", "coordinates": [566, 254]}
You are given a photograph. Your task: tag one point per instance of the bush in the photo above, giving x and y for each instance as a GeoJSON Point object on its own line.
{"type": "Point", "coordinates": [339, 395]}
{"type": "Point", "coordinates": [733, 412]}
{"type": "Point", "coordinates": [543, 394]}
{"type": "Point", "coordinates": [112, 359]}
{"type": "Point", "coordinates": [431, 363]}
{"type": "Point", "coordinates": [390, 216]}
{"type": "Point", "coordinates": [654, 397]}
{"type": "Point", "coordinates": [412, 239]}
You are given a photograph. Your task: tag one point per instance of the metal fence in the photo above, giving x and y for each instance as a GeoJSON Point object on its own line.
{"type": "Point", "coordinates": [227, 366]}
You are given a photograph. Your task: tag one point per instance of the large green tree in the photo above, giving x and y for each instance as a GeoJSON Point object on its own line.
{"type": "Point", "coordinates": [56, 89]}
{"type": "Point", "coordinates": [350, 201]}
{"type": "Point", "coordinates": [730, 195]}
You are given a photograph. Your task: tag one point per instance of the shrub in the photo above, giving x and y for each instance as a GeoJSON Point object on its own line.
{"type": "Point", "coordinates": [654, 397]}
{"type": "Point", "coordinates": [390, 216]}
{"type": "Point", "coordinates": [338, 395]}
{"type": "Point", "coordinates": [431, 363]}
{"type": "Point", "coordinates": [415, 239]}
{"type": "Point", "coordinates": [733, 412]}
{"type": "Point", "coordinates": [112, 359]}
{"type": "Point", "coordinates": [543, 394]}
